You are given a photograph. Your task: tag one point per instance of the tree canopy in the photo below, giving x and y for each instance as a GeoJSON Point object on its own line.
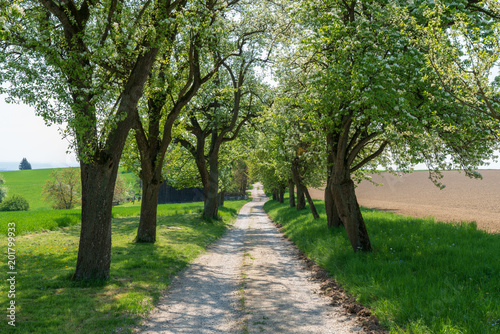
{"type": "Point", "coordinates": [346, 86]}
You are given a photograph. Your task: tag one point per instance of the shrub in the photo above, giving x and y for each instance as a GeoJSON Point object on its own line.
{"type": "Point", "coordinates": [15, 203]}
{"type": "Point", "coordinates": [3, 189]}
{"type": "Point", "coordinates": [63, 188]}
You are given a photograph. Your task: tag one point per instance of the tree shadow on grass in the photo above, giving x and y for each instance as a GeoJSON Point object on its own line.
{"type": "Point", "coordinates": [139, 273]}
{"type": "Point", "coordinates": [422, 274]}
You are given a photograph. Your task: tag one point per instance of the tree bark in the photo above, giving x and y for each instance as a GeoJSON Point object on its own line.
{"type": "Point", "coordinates": [301, 201]}
{"type": "Point", "coordinates": [301, 188]}
{"type": "Point", "coordinates": [291, 193]}
{"type": "Point", "coordinates": [222, 194]}
{"type": "Point", "coordinates": [350, 213]}
{"type": "Point", "coordinates": [94, 251]}
{"type": "Point", "coordinates": [332, 216]}
{"type": "Point", "coordinates": [281, 194]}
{"type": "Point", "coordinates": [211, 205]}
{"type": "Point", "coordinates": [146, 232]}
{"type": "Point", "coordinates": [312, 207]}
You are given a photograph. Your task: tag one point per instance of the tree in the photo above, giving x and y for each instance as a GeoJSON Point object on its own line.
{"type": "Point", "coordinates": [233, 164]}
{"type": "Point", "coordinates": [122, 190]}
{"type": "Point", "coordinates": [463, 50]}
{"type": "Point", "coordinates": [24, 165]}
{"type": "Point", "coordinates": [3, 189]}
{"type": "Point", "coordinates": [86, 63]}
{"type": "Point", "coordinates": [181, 73]}
{"type": "Point", "coordinates": [364, 90]}
{"type": "Point", "coordinates": [63, 188]}
{"type": "Point", "coordinates": [293, 151]}
{"type": "Point", "coordinates": [218, 113]}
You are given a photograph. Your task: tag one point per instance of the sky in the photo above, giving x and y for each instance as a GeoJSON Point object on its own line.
{"type": "Point", "coordinates": [25, 135]}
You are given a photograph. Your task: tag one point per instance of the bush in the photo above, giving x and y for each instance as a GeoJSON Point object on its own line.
{"type": "Point", "coordinates": [63, 188]}
{"type": "Point", "coordinates": [3, 189]}
{"type": "Point", "coordinates": [15, 203]}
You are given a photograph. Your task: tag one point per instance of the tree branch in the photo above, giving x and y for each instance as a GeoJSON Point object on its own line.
{"type": "Point", "coordinates": [370, 157]}
{"type": "Point", "coordinates": [359, 146]}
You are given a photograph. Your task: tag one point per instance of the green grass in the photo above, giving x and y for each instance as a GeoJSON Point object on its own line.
{"type": "Point", "coordinates": [47, 301]}
{"type": "Point", "coordinates": [422, 277]}
{"type": "Point", "coordinates": [30, 183]}
{"type": "Point", "coordinates": [49, 219]}
{"type": "Point", "coordinates": [36, 221]}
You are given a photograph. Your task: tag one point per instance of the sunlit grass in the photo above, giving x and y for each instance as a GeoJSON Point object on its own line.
{"type": "Point", "coordinates": [49, 219]}
{"type": "Point", "coordinates": [30, 183]}
{"type": "Point", "coordinates": [47, 301]}
{"type": "Point", "coordinates": [422, 277]}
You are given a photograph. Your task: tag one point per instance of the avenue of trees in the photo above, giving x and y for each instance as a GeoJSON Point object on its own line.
{"type": "Point", "coordinates": [307, 93]}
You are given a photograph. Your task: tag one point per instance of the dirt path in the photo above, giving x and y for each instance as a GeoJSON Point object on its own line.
{"type": "Point", "coordinates": [250, 281]}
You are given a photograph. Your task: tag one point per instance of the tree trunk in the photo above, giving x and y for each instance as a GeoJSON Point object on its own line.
{"type": "Point", "coordinates": [281, 197]}
{"type": "Point", "coordinates": [146, 233]}
{"type": "Point", "coordinates": [350, 213]}
{"type": "Point", "coordinates": [275, 195]}
{"type": "Point", "coordinates": [222, 194]}
{"type": "Point", "coordinates": [94, 251]}
{"type": "Point", "coordinates": [211, 208]}
{"type": "Point", "coordinates": [301, 201]}
{"type": "Point", "coordinates": [332, 216]}
{"type": "Point", "coordinates": [312, 207]}
{"type": "Point", "coordinates": [291, 193]}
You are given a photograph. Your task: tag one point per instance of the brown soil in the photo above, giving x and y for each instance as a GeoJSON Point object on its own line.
{"type": "Point", "coordinates": [463, 199]}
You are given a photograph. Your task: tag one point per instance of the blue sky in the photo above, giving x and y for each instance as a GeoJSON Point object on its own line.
{"type": "Point", "coordinates": [25, 135]}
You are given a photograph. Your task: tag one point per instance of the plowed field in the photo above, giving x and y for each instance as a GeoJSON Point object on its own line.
{"type": "Point", "coordinates": [415, 195]}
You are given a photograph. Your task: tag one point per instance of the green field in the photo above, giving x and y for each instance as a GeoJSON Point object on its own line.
{"type": "Point", "coordinates": [29, 184]}
{"type": "Point", "coordinates": [49, 219]}
{"type": "Point", "coordinates": [422, 277]}
{"type": "Point", "coordinates": [47, 301]}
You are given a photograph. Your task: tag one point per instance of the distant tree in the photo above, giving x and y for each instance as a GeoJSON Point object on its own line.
{"type": "Point", "coordinates": [3, 189]}
{"type": "Point", "coordinates": [123, 191]}
{"type": "Point", "coordinates": [24, 164]}
{"type": "Point", "coordinates": [63, 188]}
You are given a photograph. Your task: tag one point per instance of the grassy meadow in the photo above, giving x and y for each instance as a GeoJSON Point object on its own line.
{"type": "Point", "coordinates": [47, 301]}
{"type": "Point", "coordinates": [422, 277]}
{"type": "Point", "coordinates": [30, 183]}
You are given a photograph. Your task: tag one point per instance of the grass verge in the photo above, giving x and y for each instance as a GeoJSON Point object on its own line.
{"type": "Point", "coordinates": [48, 302]}
{"type": "Point", "coordinates": [50, 219]}
{"type": "Point", "coordinates": [422, 277]}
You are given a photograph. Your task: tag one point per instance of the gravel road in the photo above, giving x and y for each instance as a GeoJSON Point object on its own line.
{"type": "Point", "coordinates": [249, 281]}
